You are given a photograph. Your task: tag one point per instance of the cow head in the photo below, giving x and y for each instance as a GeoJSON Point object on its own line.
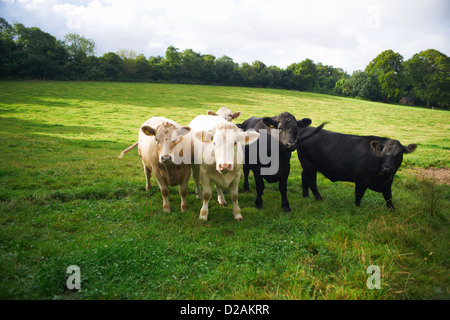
{"type": "Point", "coordinates": [287, 127]}
{"type": "Point", "coordinates": [391, 153]}
{"type": "Point", "coordinates": [167, 138]}
{"type": "Point", "coordinates": [225, 113]}
{"type": "Point", "coordinates": [226, 142]}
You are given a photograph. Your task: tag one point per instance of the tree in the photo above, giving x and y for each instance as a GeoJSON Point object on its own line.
{"type": "Point", "coordinates": [39, 55]}
{"type": "Point", "coordinates": [143, 71]}
{"type": "Point", "coordinates": [190, 66]}
{"type": "Point", "coordinates": [129, 66]}
{"type": "Point", "coordinates": [79, 49]}
{"type": "Point", "coordinates": [172, 64]}
{"type": "Point", "coordinates": [7, 48]}
{"type": "Point", "coordinates": [327, 76]}
{"type": "Point", "coordinates": [111, 66]}
{"type": "Point", "coordinates": [343, 87]}
{"type": "Point", "coordinates": [78, 46]}
{"type": "Point", "coordinates": [303, 75]}
{"type": "Point", "coordinates": [387, 68]}
{"type": "Point", "coordinates": [428, 72]}
{"type": "Point", "coordinates": [208, 72]}
{"type": "Point", "coordinates": [225, 70]}
{"type": "Point", "coordinates": [157, 66]}
{"type": "Point", "coordinates": [364, 86]}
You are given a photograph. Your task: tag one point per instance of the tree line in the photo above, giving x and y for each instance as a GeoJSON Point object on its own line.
{"type": "Point", "coordinates": [30, 53]}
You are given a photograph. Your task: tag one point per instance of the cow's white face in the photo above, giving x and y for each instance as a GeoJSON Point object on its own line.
{"type": "Point", "coordinates": [225, 113]}
{"type": "Point", "coordinates": [167, 139]}
{"type": "Point", "coordinates": [225, 146]}
{"type": "Point", "coordinates": [227, 150]}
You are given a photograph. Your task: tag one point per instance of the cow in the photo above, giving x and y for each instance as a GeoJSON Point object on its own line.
{"type": "Point", "coordinates": [165, 149]}
{"type": "Point", "coordinates": [281, 141]}
{"type": "Point", "coordinates": [369, 161]}
{"type": "Point", "coordinates": [217, 157]}
{"type": "Point", "coordinates": [225, 113]}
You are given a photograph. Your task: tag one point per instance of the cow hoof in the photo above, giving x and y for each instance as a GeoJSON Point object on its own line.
{"type": "Point", "coordinates": [258, 204]}
{"type": "Point", "coordinates": [223, 204]}
{"type": "Point", "coordinates": [287, 210]}
{"type": "Point", "coordinates": [238, 218]}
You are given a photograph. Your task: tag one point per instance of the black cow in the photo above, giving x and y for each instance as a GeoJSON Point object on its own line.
{"type": "Point", "coordinates": [287, 127]}
{"type": "Point", "coordinates": [368, 161]}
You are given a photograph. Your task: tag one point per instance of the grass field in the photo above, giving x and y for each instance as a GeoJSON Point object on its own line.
{"type": "Point", "coordinates": [65, 199]}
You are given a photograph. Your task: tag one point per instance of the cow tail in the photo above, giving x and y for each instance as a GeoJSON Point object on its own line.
{"type": "Point", "coordinates": [312, 133]}
{"type": "Point", "coordinates": [128, 149]}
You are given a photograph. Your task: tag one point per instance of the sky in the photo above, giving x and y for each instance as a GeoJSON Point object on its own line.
{"type": "Point", "coordinates": [346, 34]}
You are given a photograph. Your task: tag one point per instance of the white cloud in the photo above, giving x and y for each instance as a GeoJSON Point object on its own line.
{"type": "Point", "coordinates": [343, 34]}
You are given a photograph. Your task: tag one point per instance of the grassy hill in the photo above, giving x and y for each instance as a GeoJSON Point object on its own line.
{"type": "Point", "coordinates": [65, 199]}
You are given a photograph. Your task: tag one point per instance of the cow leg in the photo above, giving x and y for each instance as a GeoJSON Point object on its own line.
{"type": "Point", "coordinates": [309, 180]}
{"type": "Point", "coordinates": [305, 185]}
{"type": "Point", "coordinates": [207, 191]}
{"type": "Point", "coordinates": [282, 186]}
{"type": "Point", "coordinates": [196, 176]}
{"type": "Point", "coordinates": [165, 194]}
{"type": "Point", "coordinates": [234, 188]}
{"type": "Point", "coordinates": [184, 190]}
{"type": "Point", "coordinates": [246, 170]}
{"type": "Point", "coordinates": [148, 174]}
{"type": "Point", "coordinates": [221, 197]}
{"type": "Point", "coordinates": [359, 193]}
{"type": "Point", "coordinates": [313, 187]}
{"type": "Point", "coordinates": [387, 194]}
{"type": "Point", "coordinates": [259, 188]}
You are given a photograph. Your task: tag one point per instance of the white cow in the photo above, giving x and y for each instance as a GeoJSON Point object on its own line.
{"type": "Point", "coordinates": [165, 149]}
{"type": "Point", "coordinates": [225, 113]}
{"type": "Point", "coordinates": [218, 157]}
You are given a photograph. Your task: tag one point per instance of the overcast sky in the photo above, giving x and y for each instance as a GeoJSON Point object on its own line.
{"type": "Point", "coordinates": [346, 34]}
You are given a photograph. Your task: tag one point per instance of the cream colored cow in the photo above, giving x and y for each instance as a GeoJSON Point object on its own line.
{"type": "Point", "coordinates": [218, 157]}
{"type": "Point", "coordinates": [165, 149]}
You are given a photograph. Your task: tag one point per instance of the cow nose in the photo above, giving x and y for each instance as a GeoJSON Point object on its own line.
{"type": "Point", "coordinates": [290, 145]}
{"type": "Point", "coordinates": [224, 167]}
{"type": "Point", "coordinates": [387, 170]}
{"type": "Point", "coordinates": [166, 158]}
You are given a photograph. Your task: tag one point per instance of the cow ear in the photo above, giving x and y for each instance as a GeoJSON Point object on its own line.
{"type": "Point", "coordinates": [304, 122]}
{"type": "Point", "coordinates": [148, 130]}
{"type": "Point", "coordinates": [211, 113]}
{"type": "Point", "coordinates": [183, 131]}
{"type": "Point", "coordinates": [270, 122]}
{"type": "Point", "coordinates": [236, 115]}
{"type": "Point", "coordinates": [248, 137]}
{"type": "Point", "coordinates": [376, 146]}
{"type": "Point", "coordinates": [203, 136]}
{"type": "Point", "coordinates": [410, 148]}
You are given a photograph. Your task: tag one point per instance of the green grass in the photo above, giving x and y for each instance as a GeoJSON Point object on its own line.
{"type": "Point", "coordinates": [65, 199]}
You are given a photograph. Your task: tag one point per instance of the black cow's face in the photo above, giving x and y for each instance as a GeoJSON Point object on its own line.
{"type": "Point", "coordinates": [392, 154]}
{"type": "Point", "coordinates": [287, 127]}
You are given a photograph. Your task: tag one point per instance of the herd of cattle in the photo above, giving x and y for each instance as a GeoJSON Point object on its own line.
{"type": "Point", "coordinates": [215, 150]}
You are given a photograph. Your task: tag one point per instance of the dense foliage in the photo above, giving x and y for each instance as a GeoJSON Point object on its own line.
{"type": "Point", "coordinates": [30, 53]}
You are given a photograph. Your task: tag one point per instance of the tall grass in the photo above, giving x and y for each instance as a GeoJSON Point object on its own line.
{"type": "Point", "coordinates": [65, 199]}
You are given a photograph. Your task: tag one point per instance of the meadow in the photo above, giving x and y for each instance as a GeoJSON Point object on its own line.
{"type": "Point", "coordinates": [65, 199]}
